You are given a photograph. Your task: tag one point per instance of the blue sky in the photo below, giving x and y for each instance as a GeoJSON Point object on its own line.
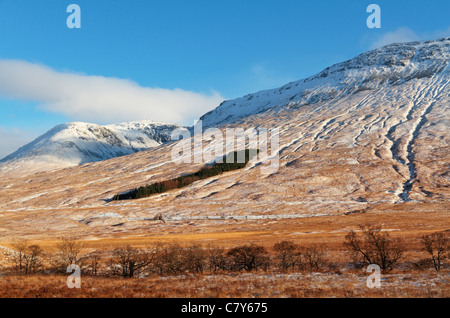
{"type": "Point", "coordinates": [189, 53]}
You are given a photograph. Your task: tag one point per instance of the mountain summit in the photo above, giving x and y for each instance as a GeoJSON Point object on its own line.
{"type": "Point", "coordinates": [390, 65]}
{"type": "Point", "coordinates": [76, 143]}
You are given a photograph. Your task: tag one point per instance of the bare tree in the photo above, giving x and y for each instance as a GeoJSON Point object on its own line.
{"type": "Point", "coordinates": [33, 259]}
{"type": "Point", "coordinates": [92, 262]}
{"type": "Point", "coordinates": [128, 261]}
{"type": "Point", "coordinates": [17, 255]}
{"type": "Point", "coordinates": [288, 254]}
{"type": "Point", "coordinates": [249, 257]}
{"type": "Point", "coordinates": [374, 246]}
{"type": "Point", "coordinates": [68, 252]}
{"type": "Point", "coordinates": [195, 259]}
{"type": "Point", "coordinates": [314, 258]}
{"type": "Point", "coordinates": [169, 259]}
{"type": "Point", "coordinates": [436, 245]}
{"type": "Point", "coordinates": [217, 259]}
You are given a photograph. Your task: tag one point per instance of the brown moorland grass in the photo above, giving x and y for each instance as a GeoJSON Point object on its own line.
{"type": "Point", "coordinates": [237, 285]}
{"type": "Point", "coordinates": [408, 222]}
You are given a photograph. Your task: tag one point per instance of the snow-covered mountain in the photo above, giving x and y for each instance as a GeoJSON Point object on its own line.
{"type": "Point", "coordinates": [374, 71]}
{"type": "Point", "coordinates": [390, 65]}
{"type": "Point", "coordinates": [76, 143]}
{"type": "Point", "coordinates": [393, 101]}
{"type": "Point", "coordinates": [368, 137]}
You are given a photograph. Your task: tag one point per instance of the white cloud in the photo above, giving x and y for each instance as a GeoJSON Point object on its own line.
{"type": "Point", "coordinates": [100, 99]}
{"type": "Point", "coordinates": [12, 139]}
{"type": "Point", "coordinates": [405, 34]}
{"type": "Point", "coordinates": [400, 35]}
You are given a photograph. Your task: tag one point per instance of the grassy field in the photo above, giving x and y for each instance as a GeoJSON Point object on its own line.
{"type": "Point", "coordinates": [329, 230]}
{"type": "Point", "coordinates": [336, 279]}
{"type": "Point", "coordinates": [245, 285]}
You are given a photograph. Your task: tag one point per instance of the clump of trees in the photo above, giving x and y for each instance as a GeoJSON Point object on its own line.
{"type": "Point", "coordinates": [206, 172]}
{"type": "Point", "coordinates": [128, 262]}
{"type": "Point", "coordinates": [368, 246]}
{"type": "Point", "coordinates": [291, 256]}
{"type": "Point", "coordinates": [160, 259]}
{"type": "Point", "coordinates": [174, 259]}
{"type": "Point", "coordinates": [375, 246]}
{"type": "Point", "coordinates": [26, 258]}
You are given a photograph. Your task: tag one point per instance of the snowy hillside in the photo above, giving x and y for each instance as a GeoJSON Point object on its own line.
{"type": "Point", "coordinates": [364, 140]}
{"type": "Point", "coordinates": [76, 143]}
{"type": "Point", "coordinates": [390, 65]}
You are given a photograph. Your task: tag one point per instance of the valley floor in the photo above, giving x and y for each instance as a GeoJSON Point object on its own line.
{"type": "Point", "coordinates": [407, 221]}
{"type": "Point", "coordinates": [352, 284]}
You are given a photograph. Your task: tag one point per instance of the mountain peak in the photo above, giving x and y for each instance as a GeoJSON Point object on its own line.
{"type": "Point", "coordinates": [75, 143]}
{"type": "Point", "coordinates": [390, 65]}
